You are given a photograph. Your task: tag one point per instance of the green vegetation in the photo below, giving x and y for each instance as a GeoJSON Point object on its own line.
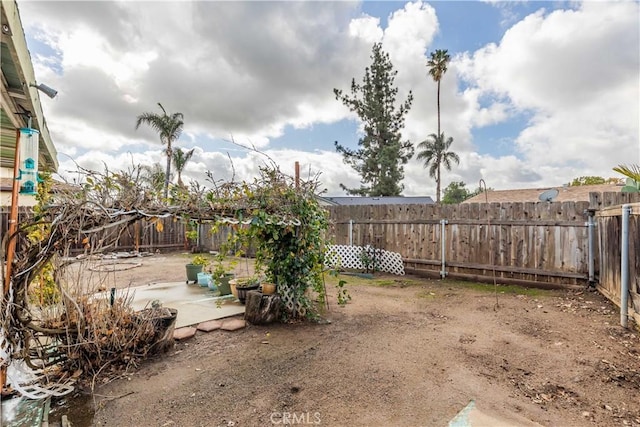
{"type": "Point", "coordinates": [587, 180]}
{"type": "Point", "coordinates": [502, 289]}
{"type": "Point", "coordinates": [43, 290]}
{"type": "Point", "coordinates": [435, 288]}
{"type": "Point", "coordinates": [435, 153]}
{"type": "Point", "coordinates": [381, 154]}
{"type": "Point", "coordinates": [200, 260]}
{"type": "Point", "coordinates": [285, 225]}
{"type": "Point", "coordinates": [457, 192]}
{"type": "Point", "coordinates": [437, 68]}
{"type": "Point", "coordinates": [632, 172]}
{"type": "Point", "coordinates": [169, 127]}
{"type": "Point", "coordinates": [343, 295]}
{"type": "Point", "coordinates": [180, 160]}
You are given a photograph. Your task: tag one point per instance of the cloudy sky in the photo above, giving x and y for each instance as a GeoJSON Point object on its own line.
{"type": "Point", "coordinates": [537, 93]}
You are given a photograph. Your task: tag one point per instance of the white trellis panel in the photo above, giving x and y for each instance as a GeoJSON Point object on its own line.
{"type": "Point", "coordinates": [346, 256]}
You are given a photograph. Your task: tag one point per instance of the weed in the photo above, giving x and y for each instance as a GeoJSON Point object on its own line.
{"type": "Point", "coordinates": [343, 293]}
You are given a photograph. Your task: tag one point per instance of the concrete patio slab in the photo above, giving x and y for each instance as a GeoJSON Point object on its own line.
{"type": "Point", "coordinates": [195, 304]}
{"type": "Point", "coordinates": [471, 416]}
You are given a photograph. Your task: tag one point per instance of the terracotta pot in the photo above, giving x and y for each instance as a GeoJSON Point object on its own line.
{"type": "Point", "coordinates": [233, 286]}
{"type": "Point", "coordinates": [268, 288]}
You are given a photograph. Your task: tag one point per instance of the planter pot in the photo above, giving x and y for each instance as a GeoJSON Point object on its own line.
{"type": "Point", "coordinates": [223, 284]}
{"type": "Point", "coordinates": [192, 272]}
{"type": "Point", "coordinates": [164, 322]}
{"type": "Point", "coordinates": [204, 279]}
{"type": "Point", "coordinates": [268, 288]}
{"type": "Point", "coordinates": [240, 292]}
{"type": "Point", "coordinates": [233, 287]}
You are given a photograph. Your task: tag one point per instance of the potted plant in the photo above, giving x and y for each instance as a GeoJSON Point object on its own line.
{"type": "Point", "coordinates": [194, 267]}
{"type": "Point", "coordinates": [240, 286]}
{"type": "Point", "coordinates": [222, 278]}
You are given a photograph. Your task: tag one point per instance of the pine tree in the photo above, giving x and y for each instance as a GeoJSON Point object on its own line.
{"type": "Point", "coordinates": [381, 154]}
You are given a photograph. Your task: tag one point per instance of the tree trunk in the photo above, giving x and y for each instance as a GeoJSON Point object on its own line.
{"type": "Point", "coordinates": [438, 186]}
{"type": "Point", "coordinates": [262, 309]}
{"type": "Point", "coordinates": [438, 108]}
{"type": "Point", "coordinates": [438, 180]}
{"type": "Point", "coordinates": [168, 171]}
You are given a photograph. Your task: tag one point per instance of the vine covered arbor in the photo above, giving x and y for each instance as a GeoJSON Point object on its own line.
{"type": "Point", "coordinates": [56, 326]}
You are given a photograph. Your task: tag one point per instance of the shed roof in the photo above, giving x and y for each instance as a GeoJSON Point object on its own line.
{"type": "Point", "coordinates": [565, 194]}
{"type": "Point", "coordinates": [382, 200]}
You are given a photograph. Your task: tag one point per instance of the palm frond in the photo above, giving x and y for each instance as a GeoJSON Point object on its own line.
{"type": "Point", "coordinates": [630, 171]}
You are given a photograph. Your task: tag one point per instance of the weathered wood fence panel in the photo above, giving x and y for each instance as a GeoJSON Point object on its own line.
{"type": "Point", "coordinates": [603, 200]}
{"type": "Point", "coordinates": [529, 242]}
{"type": "Point", "coordinates": [609, 235]}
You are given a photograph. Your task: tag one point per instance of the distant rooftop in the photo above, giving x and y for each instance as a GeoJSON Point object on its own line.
{"type": "Point", "coordinates": [355, 200]}
{"type": "Point", "coordinates": [578, 193]}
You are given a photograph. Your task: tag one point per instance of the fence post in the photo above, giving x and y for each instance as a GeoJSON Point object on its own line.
{"type": "Point", "coordinates": [624, 267]}
{"type": "Point", "coordinates": [592, 256]}
{"type": "Point", "coordinates": [350, 232]}
{"type": "Point", "coordinates": [443, 239]}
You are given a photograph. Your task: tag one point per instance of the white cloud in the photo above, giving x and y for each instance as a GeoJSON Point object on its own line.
{"type": "Point", "coordinates": [250, 69]}
{"type": "Point", "coordinates": [409, 32]}
{"type": "Point", "coordinates": [366, 28]}
{"type": "Point", "coordinates": [576, 73]}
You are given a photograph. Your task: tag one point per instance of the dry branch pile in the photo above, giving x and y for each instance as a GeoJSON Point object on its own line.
{"type": "Point", "coordinates": [91, 336]}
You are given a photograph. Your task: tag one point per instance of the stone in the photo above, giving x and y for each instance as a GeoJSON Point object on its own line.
{"type": "Point", "coordinates": [184, 333]}
{"type": "Point", "coordinates": [209, 326]}
{"type": "Point", "coordinates": [233, 324]}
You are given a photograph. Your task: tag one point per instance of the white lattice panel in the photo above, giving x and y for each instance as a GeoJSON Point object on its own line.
{"type": "Point", "coordinates": [354, 256]}
{"type": "Point", "coordinates": [291, 304]}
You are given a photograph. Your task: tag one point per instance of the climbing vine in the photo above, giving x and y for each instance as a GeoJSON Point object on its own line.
{"type": "Point", "coordinates": [280, 219]}
{"type": "Point", "coordinates": [285, 225]}
{"type": "Point", "coordinates": [293, 254]}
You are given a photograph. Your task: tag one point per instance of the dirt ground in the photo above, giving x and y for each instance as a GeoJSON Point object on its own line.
{"type": "Point", "coordinates": [405, 351]}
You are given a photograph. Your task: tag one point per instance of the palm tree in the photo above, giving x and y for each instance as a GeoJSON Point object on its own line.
{"type": "Point", "coordinates": [435, 153]}
{"type": "Point", "coordinates": [632, 172]}
{"type": "Point", "coordinates": [180, 160]}
{"type": "Point", "coordinates": [154, 177]}
{"type": "Point", "coordinates": [169, 127]}
{"type": "Point", "coordinates": [437, 68]}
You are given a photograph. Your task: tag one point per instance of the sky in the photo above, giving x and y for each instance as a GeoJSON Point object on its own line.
{"type": "Point", "coordinates": [536, 93]}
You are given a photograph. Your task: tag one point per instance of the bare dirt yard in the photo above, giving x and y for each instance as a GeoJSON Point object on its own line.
{"type": "Point", "coordinates": [405, 351]}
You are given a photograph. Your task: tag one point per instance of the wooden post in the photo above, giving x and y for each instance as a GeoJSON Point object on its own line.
{"type": "Point", "coordinates": [136, 235]}
{"type": "Point", "coordinates": [297, 168]}
{"type": "Point", "coordinates": [11, 247]}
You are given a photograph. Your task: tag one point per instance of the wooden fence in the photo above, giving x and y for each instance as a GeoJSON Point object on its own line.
{"type": "Point", "coordinates": [526, 243]}
{"type": "Point", "coordinates": [609, 235]}
{"type": "Point", "coordinates": [542, 243]}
